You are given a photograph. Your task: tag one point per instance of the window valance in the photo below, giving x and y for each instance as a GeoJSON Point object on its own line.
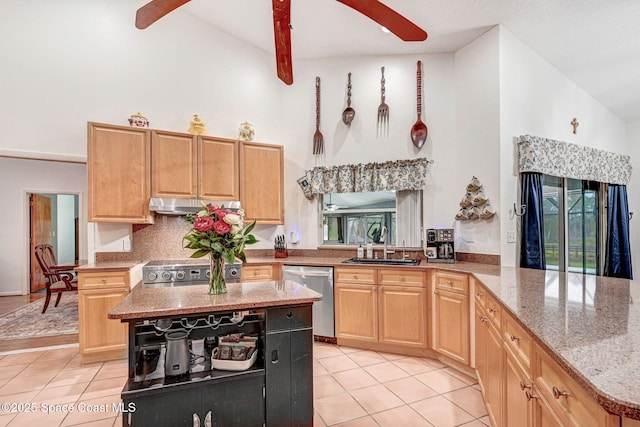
{"type": "Point", "coordinates": [392, 175]}
{"type": "Point", "coordinates": [567, 160]}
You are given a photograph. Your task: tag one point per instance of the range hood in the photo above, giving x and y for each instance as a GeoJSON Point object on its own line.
{"type": "Point", "coordinates": [186, 206]}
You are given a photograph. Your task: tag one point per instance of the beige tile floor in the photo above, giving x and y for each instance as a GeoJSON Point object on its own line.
{"type": "Point", "coordinates": [352, 388]}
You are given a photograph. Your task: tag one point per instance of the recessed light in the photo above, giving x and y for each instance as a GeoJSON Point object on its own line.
{"type": "Point", "coordinates": [385, 30]}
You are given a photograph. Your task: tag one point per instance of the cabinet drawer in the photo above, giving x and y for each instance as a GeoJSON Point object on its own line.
{"type": "Point", "coordinates": [103, 280]}
{"type": "Point", "coordinates": [565, 397]}
{"type": "Point", "coordinates": [288, 318]}
{"type": "Point", "coordinates": [494, 311]}
{"type": "Point", "coordinates": [257, 273]}
{"type": "Point", "coordinates": [452, 281]}
{"type": "Point", "coordinates": [355, 275]}
{"type": "Point", "coordinates": [401, 277]}
{"type": "Point", "coordinates": [480, 295]}
{"type": "Point", "coordinates": [517, 340]}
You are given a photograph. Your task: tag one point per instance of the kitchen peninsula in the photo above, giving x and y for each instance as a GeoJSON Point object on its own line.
{"type": "Point", "coordinates": [277, 389]}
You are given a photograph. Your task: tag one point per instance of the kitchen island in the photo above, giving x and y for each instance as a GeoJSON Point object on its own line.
{"type": "Point", "coordinates": [276, 389]}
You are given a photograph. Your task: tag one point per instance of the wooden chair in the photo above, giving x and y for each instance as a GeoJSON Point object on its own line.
{"type": "Point", "coordinates": [57, 279]}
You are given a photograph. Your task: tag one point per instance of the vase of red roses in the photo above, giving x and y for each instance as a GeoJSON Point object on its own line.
{"type": "Point", "coordinates": [222, 235]}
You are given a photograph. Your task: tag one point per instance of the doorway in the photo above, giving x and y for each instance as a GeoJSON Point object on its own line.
{"type": "Point", "coordinates": [53, 219]}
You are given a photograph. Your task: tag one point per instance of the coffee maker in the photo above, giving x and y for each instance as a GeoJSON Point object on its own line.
{"type": "Point", "coordinates": [440, 246]}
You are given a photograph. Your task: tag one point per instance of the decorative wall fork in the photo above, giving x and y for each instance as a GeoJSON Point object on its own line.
{"type": "Point", "coordinates": [383, 111]}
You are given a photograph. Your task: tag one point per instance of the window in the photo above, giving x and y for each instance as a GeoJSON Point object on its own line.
{"type": "Point", "coordinates": [572, 217]}
{"type": "Point", "coordinates": [358, 218]}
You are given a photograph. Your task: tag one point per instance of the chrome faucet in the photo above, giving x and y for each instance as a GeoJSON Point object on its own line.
{"type": "Point", "coordinates": [384, 234]}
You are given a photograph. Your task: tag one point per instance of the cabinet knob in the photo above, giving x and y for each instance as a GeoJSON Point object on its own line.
{"type": "Point", "coordinates": [355, 276]}
{"type": "Point", "coordinates": [523, 385]}
{"type": "Point", "coordinates": [531, 395]}
{"type": "Point", "coordinates": [514, 337]}
{"type": "Point", "coordinates": [104, 280]}
{"type": "Point", "coordinates": [402, 278]}
{"type": "Point", "coordinates": [557, 393]}
{"type": "Point", "coordinates": [449, 282]}
{"type": "Point", "coordinates": [289, 315]}
{"type": "Point", "coordinates": [491, 310]}
{"type": "Point", "coordinates": [435, 292]}
{"type": "Point", "coordinates": [479, 294]}
{"type": "Point", "coordinates": [255, 273]}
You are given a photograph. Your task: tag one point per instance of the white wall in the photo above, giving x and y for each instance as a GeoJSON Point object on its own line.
{"type": "Point", "coordinates": [30, 176]}
{"type": "Point", "coordinates": [475, 150]}
{"type": "Point", "coordinates": [633, 190]}
{"type": "Point", "coordinates": [359, 143]}
{"type": "Point", "coordinates": [537, 99]}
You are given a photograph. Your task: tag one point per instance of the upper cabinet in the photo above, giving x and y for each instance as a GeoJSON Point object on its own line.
{"type": "Point", "coordinates": [174, 171]}
{"type": "Point", "coordinates": [218, 166]}
{"type": "Point", "coordinates": [118, 174]}
{"type": "Point", "coordinates": [128, 165]}
{"type": "Point", "coordinates": [187, 166]}
{"type": "Point", "coordinates": [262, 182]}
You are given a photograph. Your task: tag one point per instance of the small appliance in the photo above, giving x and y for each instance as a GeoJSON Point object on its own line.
{"type": "Point", "coordinates": [440, 245]}
{"type": "Point", "coordinates": [177, 359]}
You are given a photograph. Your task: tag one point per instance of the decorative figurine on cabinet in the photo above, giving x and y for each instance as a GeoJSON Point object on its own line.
{"type": "Point", "coordinates": [246, 132]}
{"type": "Point", "coordinates": [138, 120]}
{"type": "Point", "coordinates": [197, 126]}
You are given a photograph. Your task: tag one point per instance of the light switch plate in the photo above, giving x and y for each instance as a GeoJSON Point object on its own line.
{"type": "Point", "coordinates": [511, 236]}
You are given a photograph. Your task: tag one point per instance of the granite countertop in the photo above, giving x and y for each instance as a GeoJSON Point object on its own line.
{"type": "Point", "coordinates": [589, 324]}
{"type": "Point", "coordinates": [147, 303]}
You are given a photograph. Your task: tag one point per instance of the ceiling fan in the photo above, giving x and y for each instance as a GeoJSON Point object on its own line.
{"type": "Point", "coordinates": [373, 9]}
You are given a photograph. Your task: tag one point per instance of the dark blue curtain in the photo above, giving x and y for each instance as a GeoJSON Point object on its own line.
{"type": "Point", "coordinates": [618, 256]}
{"type": "Point", "coordinates": [532, 222]}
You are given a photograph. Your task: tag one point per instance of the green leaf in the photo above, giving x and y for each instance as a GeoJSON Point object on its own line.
{"type": "Point", "coordinates": [250, 240]}
{"type": "Point", "coordinates": [249, 228]}
{"type": "Point", "coordinates": [229, 257]}
{"type": "Point", "coordinates": [200, 253]}
{"type": "Point", "coordinates": [217, 246]}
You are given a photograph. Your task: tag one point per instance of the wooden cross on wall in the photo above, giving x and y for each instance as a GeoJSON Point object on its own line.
{"type": "Point", "coordinates": [575, 124]}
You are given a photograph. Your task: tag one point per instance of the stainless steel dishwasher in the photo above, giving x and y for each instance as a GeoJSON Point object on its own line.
{"type": "Point", "coordinates": [320, 279]}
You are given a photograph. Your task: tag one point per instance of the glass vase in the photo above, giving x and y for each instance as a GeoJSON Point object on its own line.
{"type": "Point", "coordinates": [217, 284]}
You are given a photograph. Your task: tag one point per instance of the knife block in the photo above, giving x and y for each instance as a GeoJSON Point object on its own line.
{"type": "Point", "coordinates": [281, 253]}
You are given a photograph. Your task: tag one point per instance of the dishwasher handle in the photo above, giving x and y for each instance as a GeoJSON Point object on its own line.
{"type": "Point", "coordinates": [308, 273]}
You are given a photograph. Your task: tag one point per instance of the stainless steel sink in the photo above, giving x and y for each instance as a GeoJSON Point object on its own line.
{"type": "Point", "coordinates": [381, 261]}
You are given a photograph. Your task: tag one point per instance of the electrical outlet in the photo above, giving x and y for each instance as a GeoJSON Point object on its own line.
{"type": "Point", "coordinates": [126, 245]}
{"type": "Point", "coordinates": [511, 236]}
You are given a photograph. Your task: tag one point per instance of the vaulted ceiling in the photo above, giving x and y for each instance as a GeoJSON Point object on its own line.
{"type": "Point", "coordinates": [596, 43]}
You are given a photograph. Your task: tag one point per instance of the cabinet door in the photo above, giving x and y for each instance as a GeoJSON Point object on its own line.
{"type": "Point", "coordinates": [356, 311]}
{"type": "Point", "coordinates": [118, 174]}
{"type": "Point", "coordinates": [403, 316]}
{"type": "Point", "coordinates": [518, 408]}
{"type": "Point", "coordinates": [543, 416]}
{"type": "Point", "coordinates": [302, 378]}
{"type": "Point", "coordinates": [237, 401]}
{"type": "Point", "coordinates": [262, 182]}
{"type": "Point", "coordinates": [451, 325]}
{"type": "Point", "coordinates": [493, 387]}
{"type": "Point", "coordinates": [481, 347]}
{"type": "Point", "coordinates": [173, 165]}
{"type": "Point", "coordinates": [97, 333]}
{"type": "Point", "coordinates": [218, 169]}
{"type": "Point", "coordinates": [278, 392]}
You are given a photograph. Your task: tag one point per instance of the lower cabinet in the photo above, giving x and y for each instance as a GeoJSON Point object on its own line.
{"type": "Point", "coordinates": [518, 394]}
{"type": "Point", "coordinates": [259, 273]}
{"type": "Point", "coordinates": [101, 338]}
{"type": "Point", "coordinates": [277, 390]}
{"type": "Point", "coordinates": [451, 315]}
{"type": "Point", "coordinates": [381, 308]}
{"type": "Point", "coordinates": [289, 367]}
{"type": "Point", "coordinates": [235, 401]}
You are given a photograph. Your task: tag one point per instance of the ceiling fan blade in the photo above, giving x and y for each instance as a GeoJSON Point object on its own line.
{"type": "Point", "coordinates": [388, 18]}
{"type": "Point", "coordinates": [282, 35]}
{"type": "Point", "coordinates": [154, 10]}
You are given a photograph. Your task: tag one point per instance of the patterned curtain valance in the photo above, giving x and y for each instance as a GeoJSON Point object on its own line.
{"type": "Point", "coordinates": [392, 175]}
{"type": "Point", "coordinates": [567, 160]}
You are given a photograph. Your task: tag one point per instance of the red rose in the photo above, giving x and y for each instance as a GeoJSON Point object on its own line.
{"type": "Point", "coordinates": [203, 223]}
{"type": "Point", "coordinates": [212, 208]}
{"type": "Point", "coordinates": [221, 227]}
{"type": "Point", "coordinates": [221, 213]}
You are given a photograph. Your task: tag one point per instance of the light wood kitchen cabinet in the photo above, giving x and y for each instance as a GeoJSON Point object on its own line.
{"type": "Point", "coordinates": [565, 398]}
{"type": "Point", "coordinates": [260, 273]}
{"type": "Point", "coordinates": [101, 338]}
{"type": "Point", "coordinates": [118, 174]}
{"type": "Point", "coordinates": [262, 182]}
{"type": "Point", "coordinates": [403, 315]}
{"type": "Point", "coordinates": [383, 307]}
{"type": "Point", "coordinates": [218, 168]}
{"type": "Point", "coordinates": [356, 312]}
{"type": "Point", "coordinates": [518, 405]}
{"type": "Point", "coordinates": [174, 170]}
{"type": "Point", "coordinates": [451, 332]}
{"type": "Point", "coordinates": [190, 166]}
{"type": "Point", "coordinates": [489, 364]}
